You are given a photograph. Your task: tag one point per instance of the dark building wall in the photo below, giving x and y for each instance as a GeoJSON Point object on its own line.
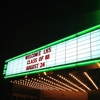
{"type": "Point", "coordinates": [63, 95]}
{"type": "Point", "coordinates": [32, 35]}
{"type": "Point", "coordinates": [94, 95]}
{"type": "Point", "coordinates": [7, 90]}
{"type": "Point", "coordinates": [24, 90]}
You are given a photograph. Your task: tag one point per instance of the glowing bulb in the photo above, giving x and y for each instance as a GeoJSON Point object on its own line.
{"type": "Point", "coordinates": [98, 64]}
{"type": "Point", "coordinates": [90, 80]}
{"type": "Point", "coordinates": [80, 81]}
{"type": "Point", "coordinates": [71, 83]}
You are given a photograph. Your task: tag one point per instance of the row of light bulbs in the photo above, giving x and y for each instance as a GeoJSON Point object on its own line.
{"type": "Point", "coordinates": [54, 84]}
{"type": "Point", "coordinates": [86, 74]}
{"type": "Point", "coordinates": [71, 83]}
{"type": "Point", "coordinates": [62, 83]}
{"type": "Point", "coordinates": [38, 84]}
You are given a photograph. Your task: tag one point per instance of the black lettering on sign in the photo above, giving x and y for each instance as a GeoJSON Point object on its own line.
{"type": "Point", "coordinates": [47, 50]}
{"type": "Point", "coordinates": [32, 67]}
{"type": "Point", "coordinates": [47, 56]}
{"type": "Point", "coordinates": [42, 64]}
{"type": "Point", "coordinates": [32, 61]}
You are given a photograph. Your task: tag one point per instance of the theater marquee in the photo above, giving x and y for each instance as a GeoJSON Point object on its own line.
{"type": "Point", "coordinates": [75, 50]}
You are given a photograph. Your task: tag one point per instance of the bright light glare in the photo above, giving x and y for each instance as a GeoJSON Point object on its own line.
{"type": "Point", "coordinates": [79, 81]}
{"type": "Point", "coordinates": [71, 83]}
{"type": "Point", "coordinates": [63, 84]}
{"type": "Point", "coordinates": [98, 65]}
{"type": "Point", "coordinates": [86, 74]}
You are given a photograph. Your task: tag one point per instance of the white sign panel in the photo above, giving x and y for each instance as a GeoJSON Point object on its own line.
{"type": "Point", "coordinates": [81, 48]}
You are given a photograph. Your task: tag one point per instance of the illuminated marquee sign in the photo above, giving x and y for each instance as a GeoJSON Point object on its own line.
{"type": "Point", "coordinates": [69, 51]}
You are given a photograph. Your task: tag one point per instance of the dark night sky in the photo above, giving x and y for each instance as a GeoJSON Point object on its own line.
{"type": "Point", "coordinates": [29, 25]}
